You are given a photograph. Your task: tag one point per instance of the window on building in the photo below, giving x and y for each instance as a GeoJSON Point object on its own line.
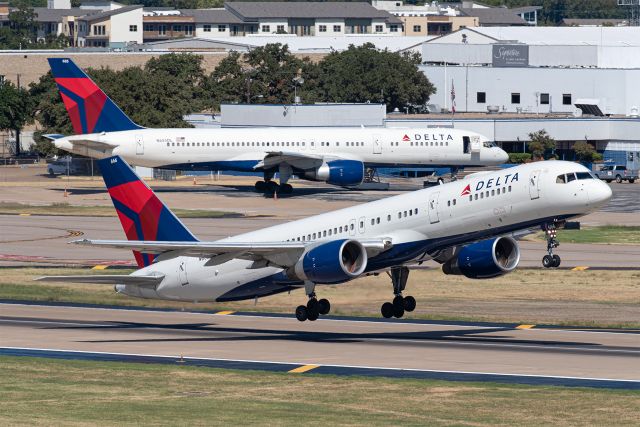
{"type": "Point", "coordinates": [162, 30]}
{"type": "Point", "coordinates": [280, 29]}
{"type": "Point", "coordinates": [206, 28]}
{"type": "Point", "coordinates": [222, 28]}
{"type": "Point", "coordinates": [379, 28]}
{"type": "Point", "coordinates": [481, 97]}
{"type": "Point", "coordinates": [515, 98]}
{"type": "Point", "coordinates": [393, 28]}
{"type": "Point", "coordinates": [566, 99]}
{"type": "Point", "coordinates": [148, 27]}
{"type": "Point", "coordinates": [188, 30]}
{"type": "Point", "coordinates": [337, 28]}
{"type": "Point", "coordinates": [544, 99]}
{"type": "Point", "coordinates": [322, 28]}
{"type": "Point", "coordinates": [266, 29]}
{"type": "Point", "coordinates": [417, 28]}
{"type": "Point", "coordinates": [133, 28]}
{"type": "Point", "coordinates": [177, 27]}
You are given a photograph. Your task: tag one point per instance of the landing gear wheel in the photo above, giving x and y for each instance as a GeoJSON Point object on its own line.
{"type": "Point", "coordinates": [409, 303]}
{"type": "Point", "coordinates": [312, 315]}
{"type": "Point", "coordinates": [286, 189]}
{"type": "Point", "coordinates": [313, 309]}
{"type": "Point", "coordinates": [271, 187]}
{"type": "Point", "coordinates": [260, 186]}
{"type": "Point", "coordinates": [398, 302]}
{"type": "Point", "coordinates": [398, 312]}
{"type": "Point", "coordinates": [547, 261]}
{"type": "Point", "coordinates": [301, 313]}
{"type": "Point", "coordinates": [324, 307]}
{"type": "Point", "coordinates": [556, 260]}
{"type": "Point", "coordinates": [387, 310]}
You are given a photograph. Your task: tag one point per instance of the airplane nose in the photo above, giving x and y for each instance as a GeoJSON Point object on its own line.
{"type": "Point", "coordinates": [600, 193]}
{"type": "Point", "coordinates": [500, 155]}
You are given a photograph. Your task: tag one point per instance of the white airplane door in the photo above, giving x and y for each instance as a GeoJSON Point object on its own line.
{"type": "Point", "coordinates": [352, 227]}
{"type": "Point", "coordinates": [534, 185]}
{"type": "Point", "coordinates": [182, 273]}
{"type": "Point", "coordinates": [377, 144]}
{"type": "Point", "coordinates": [139, 145]}
{"type": "Point", "coordinates": [434, 217]}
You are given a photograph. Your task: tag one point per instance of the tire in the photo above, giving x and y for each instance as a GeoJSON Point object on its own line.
{"type": "Point", "coordinates": [556, 261]}
{"type": "Point", "coordinates": [286, 189]}
{"type": "Point", "coordinates": [547, 261]}
{"type": "Point", "coordinates": [608, 181]}
{"type": "Point", "coordinates": [271, 187]}
{"type": "Point", "coordinates": [301, 313]}
{"type": "Point", "coordinates": [398, 302]}
{"type": "Point", "coordinates": [324, 306]}
{"type": "Point", "coordinates": [260, 186]}
{"type": "Point", "coordinates": [409, 303]}
{"type": "Point", "coordinates": [387, 310]}
{"type": "Point", "coordinates": [618, 179]}
{"type": "Point", "coordinates": [51, 172]}
{"type": "Point", "coordinates": [631, 181]}
{"type": "Point", "coordinates": [312, 315]}
{"type": "Point", "coordinates": [398, 312]}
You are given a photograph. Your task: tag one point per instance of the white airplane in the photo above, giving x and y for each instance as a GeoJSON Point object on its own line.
{"type": "Point", "coordinates": [466, 225]}
{"type": "Point", "coordinates": [338, 156]}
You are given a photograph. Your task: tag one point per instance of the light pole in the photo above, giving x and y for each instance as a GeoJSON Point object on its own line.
{"type": "Point", "coordinates": [296, 81]}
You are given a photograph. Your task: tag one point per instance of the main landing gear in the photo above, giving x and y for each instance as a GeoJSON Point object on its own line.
{"type": "Point", "coordinates": [314, 307]}
{"type": "Point", "coordinates": [551, 260]}
{"type": "Point", "coordinates": [268, 186]}
{"type": "Point", "coordinates": [400, 304]}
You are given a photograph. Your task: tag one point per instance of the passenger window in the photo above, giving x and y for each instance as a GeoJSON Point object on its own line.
{"type": "Point", "coordinates": [470, 198]}
{"type": "Point", "coordinates": [448, 202]}
{"type": "Point", "coordinates": [487, 193]}
{"type": "Point", "coordinates": [341, 229]}
{"type": "Point", "coordinates": [373, 221]}
{"type": "Point", "coordinates": [476, 196]}
{"type": "Point", "coordinates": [493, 192]}
{"type": "Point", "coordinates": [378, 220]}
{"type": "Point", "coordinates": [345, 227]}
{"type": "Point", "coordinates": [388, 217]}
{"type": "Point", "coordinates": [399, 215]}
{"type": "Point", "coordinates": [454, 202]}
{"type": "Point", "coordinates": [361, 224]}
{"type": "Point", "coordinates": [324, 233]}
{"type": "Point", "coordinates": [509, 189]}
{"type": "Point", "coordinates": [330, 232]}
{"type": "Point", "coordinates": [335, 230]}
{"type": "Point", "coordinates": [482, 195]}
{"type": "Point", "coordinates": [416, 211]}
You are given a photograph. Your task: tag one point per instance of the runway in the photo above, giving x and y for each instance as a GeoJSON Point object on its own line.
{"type": "Point", "coordinates": [418, 349]}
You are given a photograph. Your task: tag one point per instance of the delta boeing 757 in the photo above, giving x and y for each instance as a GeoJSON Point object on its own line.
{"type": "Point", "coordinates": [466, 225]}
{"type": "Point", "coordinates": [338, 156]}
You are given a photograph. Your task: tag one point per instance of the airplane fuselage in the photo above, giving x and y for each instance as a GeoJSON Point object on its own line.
{"type": "Point", "coordinates": [418, 224]}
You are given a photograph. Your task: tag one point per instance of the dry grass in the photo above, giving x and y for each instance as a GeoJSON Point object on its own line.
{"type": "Point", "coordinates": [585, 298]}
{"type": "Point", "coordinates": [51, 392]}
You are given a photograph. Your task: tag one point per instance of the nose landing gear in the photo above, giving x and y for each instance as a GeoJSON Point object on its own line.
{"type": "Point", "coordinates": [551, 260]}
{"type": "Point", "coordinates": [314, 307]}
{"type": "Point", "coordinates": [400, 304]}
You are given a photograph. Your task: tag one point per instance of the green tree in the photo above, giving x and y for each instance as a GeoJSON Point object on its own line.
{"type": "Point", "coordinates": [365, 74]}
{"type": "Point", "coordinates": [585, 152]}
{"type": "Point", "coordinates": [15, 110]}
{"type": "Point", "coordinates": [540, 142]}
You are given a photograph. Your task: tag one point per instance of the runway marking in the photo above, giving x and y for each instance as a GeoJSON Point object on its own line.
{"type": "Point", "coordinates": [267, 362]}
{"type": "Point", "coordinates": [303, 368]}
{"type": "Point", "coordinates": [100, 267]}
{"type": "Point", "coordinates": [525, 326]}
{"type": "Point", "coordinates": [225, 313]}
{"type": "Point", "coordinates": [580, 268]}
{"type": "Point", "coordinates": [25, 214]}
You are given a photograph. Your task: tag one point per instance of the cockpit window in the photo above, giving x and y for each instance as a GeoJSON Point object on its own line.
{"type": "Point", "coordinates": [489, 144]}
{"type": "Point", "coordinates": [571, 177]}
{"type": "Point", "coordinates": [584, 175]}
{"type": "Point", "coordinates": [560, 179]}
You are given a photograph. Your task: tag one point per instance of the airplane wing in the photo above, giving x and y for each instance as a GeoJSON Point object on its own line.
{"type": "Point", "coordinates": [107, 279]}
{"type": "Point", "coordinates": [280, 253]}
{"type": "Point", "coordinates": [295, 159]}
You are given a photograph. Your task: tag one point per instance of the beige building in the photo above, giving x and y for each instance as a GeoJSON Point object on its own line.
{"type": "Point", "coordinates": [435, 25]}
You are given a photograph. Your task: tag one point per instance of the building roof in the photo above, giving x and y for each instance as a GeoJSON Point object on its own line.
{"type": "Point", "coordinates": [56, 15]}
{"type": "Point", "coordinates": [212, 16]}
{"type": "Point", "coordinates": [256, 10]}
{"type": "Point", "coordinates": [108, 13]}
{"type": "Point", "coordinates": [595, 22]}
{"type": "Point", "coordinates": [525, 9]}
{"type": "Point", "coordinates": [494, 16]}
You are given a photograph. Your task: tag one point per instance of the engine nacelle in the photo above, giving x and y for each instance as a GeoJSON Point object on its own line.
{"type": "Point", "coordinates": [339, 172]}
{"type": "Point", "coordinates": [485, 259]}
{"type": "Point", "coordinates": [332, 262]}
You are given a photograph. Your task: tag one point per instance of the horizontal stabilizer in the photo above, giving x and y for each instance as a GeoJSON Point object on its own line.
{"type": "Point", "coordinates": [107, 279]}
{"type": "Point", "coordinates": [52, 136]}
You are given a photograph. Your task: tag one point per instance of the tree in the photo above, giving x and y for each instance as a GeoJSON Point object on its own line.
{"type": "Point", "coordinates": [585, 152]}
{"type": "Point", "coordinates": [540, 142]}
{"type": "Point", "coordinates": [366, 74]}
{"type": "Point", "coordinates": [15, 109]}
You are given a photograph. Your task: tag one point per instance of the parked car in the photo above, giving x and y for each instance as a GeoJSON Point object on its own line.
{"type": "Point", "coordinates": [59, 167]}
{"type": "Point", "coordinates": [618, 173]}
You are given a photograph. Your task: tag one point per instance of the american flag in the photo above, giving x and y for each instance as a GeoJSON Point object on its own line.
{"type": "Point", "coordinates": [453, 98]}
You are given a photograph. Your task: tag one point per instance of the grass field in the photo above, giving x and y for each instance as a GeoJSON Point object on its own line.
{"type": "Point", "coordinates": [577, 298]}
{"type": "Point", "coordinates": [606, 234]}
{"type": "Point", "coordinates": [52, 392]}
{"type": "Point", "coordinates": [65, 209]}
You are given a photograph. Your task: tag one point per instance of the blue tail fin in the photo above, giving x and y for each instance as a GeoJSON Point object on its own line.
{"type": "Point", "coordinates": [142, 215]}
{"type": "Point", "coordinates": [89, 108]}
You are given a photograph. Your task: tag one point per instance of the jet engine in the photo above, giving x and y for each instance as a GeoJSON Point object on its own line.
{"type": "Point", "coordinates": [338, 172]}
{"type": "Point", "coordinates": [485, 259]}
{"type": "Point", "coordinates": [332, 262]}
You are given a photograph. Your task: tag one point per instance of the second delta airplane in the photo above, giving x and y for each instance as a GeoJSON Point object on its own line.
{"type": "Point", "coordinates": [466, 225]}
{"type": "Point", "coordinates": [337, 156]}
